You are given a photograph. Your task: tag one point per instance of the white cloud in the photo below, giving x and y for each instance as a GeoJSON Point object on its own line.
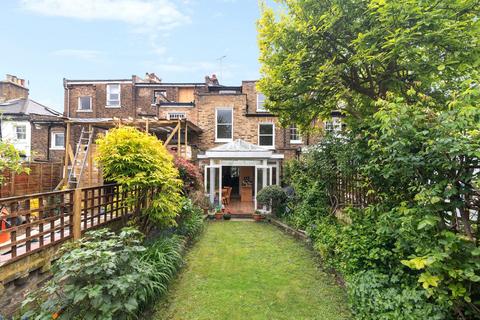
{"type": "Point", "coordinates": [78, 53]}
{"type": "Point", "coordinates": [142, 14]}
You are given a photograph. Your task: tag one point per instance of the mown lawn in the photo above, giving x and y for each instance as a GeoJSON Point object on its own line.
{"type": "Point", "coordinates": [247, 270]}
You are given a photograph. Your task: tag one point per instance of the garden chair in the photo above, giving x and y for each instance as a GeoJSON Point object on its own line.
{"type": "Point", "coordinates": [226, 192]}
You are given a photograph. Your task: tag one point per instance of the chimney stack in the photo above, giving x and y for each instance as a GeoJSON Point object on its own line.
{"type": "Point", "coordinates": [13, 88]}
{"type": "Point", "coordinates": [211, 81]}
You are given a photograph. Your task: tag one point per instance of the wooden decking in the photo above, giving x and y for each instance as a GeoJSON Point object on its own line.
{"type": "Point", "coordinates": [237, 207]}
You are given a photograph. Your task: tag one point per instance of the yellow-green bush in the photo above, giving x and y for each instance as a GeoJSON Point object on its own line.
{"type": "Point", "coordinates": [135, 159]}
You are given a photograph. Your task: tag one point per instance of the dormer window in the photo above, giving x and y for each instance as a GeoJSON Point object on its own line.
{"type": "Point", "coordinates": [113, 95]}
{"type": "Point", "coordinates": [261, 102]}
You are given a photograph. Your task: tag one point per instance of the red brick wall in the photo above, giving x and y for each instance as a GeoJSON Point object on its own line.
{"type": "Point", "coordinates": [41, 143]}
{"type": "Point", "coordinates": [9, 91]}
{"type": "Point", "coordinates": [99, 100]}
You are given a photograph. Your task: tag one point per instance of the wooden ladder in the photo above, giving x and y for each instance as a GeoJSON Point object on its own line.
{"type": "Point", "coordinates": [81, 154]}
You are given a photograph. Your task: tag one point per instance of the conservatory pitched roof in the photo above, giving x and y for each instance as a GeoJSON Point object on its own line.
{"type": "Point", "coordinates": [240, 149]}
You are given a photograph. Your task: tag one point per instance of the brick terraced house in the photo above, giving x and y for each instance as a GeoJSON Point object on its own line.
{"type": "Point", "coordinates": [225, 129]}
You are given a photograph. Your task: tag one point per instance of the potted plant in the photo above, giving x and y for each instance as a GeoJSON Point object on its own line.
{"type": "Point", "coordinates": [273, 198]}
{"type": "Point", "coordinates": [258, 216]}
{"type": "Point", "coordinates": [218, 213]}
{"type": "Point", "coordinates": [227, 215]}
{"type": "Point", "coordinates": [211, 215]}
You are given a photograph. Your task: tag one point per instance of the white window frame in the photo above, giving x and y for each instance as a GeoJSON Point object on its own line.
{"type": "Point", "coordinates": [216, 125]}
{"type": "Point", "coordinates": [273, 135]}
{"type": "Point", "coordinates": [258, 104]}
{"type": "Point", "coordinates": [16, 132]}
{"type": "Point", "coordinates": [299, 136]}
{"type": "Point", "coordinates": [227, 92]}
{"type": "Point", "coordinates": [53, 146]}
{"type": "Point", "coordinates": [79, 109]}
{"type": "Point", "coordinates": [183, 115]}
{"type": "Point", "coordinates": [334, 125]}
{"type": "Point", "coordinates": [107, 104]}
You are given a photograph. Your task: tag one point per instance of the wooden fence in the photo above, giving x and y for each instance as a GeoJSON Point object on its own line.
{"type": "Point", "coordinates": [43, 177]}
{"type": "Point", "coordinates": [33, 222]}
{"type": "Point", "coordinates": [350, 191]}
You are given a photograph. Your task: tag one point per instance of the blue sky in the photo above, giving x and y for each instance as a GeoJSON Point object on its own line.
{"type": "Point", "coordinates": [44, 41]}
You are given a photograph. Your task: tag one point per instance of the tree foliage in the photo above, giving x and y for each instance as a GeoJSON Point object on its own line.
{"type": "Point", "coordinates": [319, 54]}
{"type": "Point", "coordinates": [405, 74]}
{"type": "Point", "coordinates": [135, 159]}
{"type": "Point", "coordinates": [9, 159]}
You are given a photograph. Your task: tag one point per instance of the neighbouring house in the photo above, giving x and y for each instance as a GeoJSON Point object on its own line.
{"type": "Point", "coordinates": [35, 130]}
{"type": "Point", "coordinates": [226, 130]}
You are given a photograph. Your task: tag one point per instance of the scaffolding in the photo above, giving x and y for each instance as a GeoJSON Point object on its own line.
{"type": "Point", "coordinates": [80, 170]}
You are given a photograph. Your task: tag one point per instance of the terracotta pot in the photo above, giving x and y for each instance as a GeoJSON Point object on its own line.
{"type": "Point", "coordinates": [257, 217]}
{"type": "Point", "coordinates": [218, 215]}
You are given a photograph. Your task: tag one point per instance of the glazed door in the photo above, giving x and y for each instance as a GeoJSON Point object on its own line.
{"type": "Point", "coordinates": [263, 178]}
{"type": "Point", "coordinates": [213, 183]}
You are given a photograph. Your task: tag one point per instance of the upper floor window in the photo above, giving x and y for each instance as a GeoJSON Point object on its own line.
{"type": "Point", "coordinates": [85, 103]}
{"type": "Point", "coordinates": [21, 132]}
{"type": "Point", "coordinates": [223, 124]}
{"type": "Point", "coordinates": [58, 140]}
{"type": "Point", "coordinates": [266, 135]}
{"type": "Point", "coordinates": [295, 136]}
{"type": "Point", "coordinates": [261, 102]}
{"type": "Point", "coordinates": [159, 96]}
{"type": "Point", "coordinates": [113, 95]}
{"type": "Point", "coordinates": [334, 125]}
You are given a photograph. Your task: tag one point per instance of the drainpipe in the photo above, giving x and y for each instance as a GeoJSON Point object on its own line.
{"type": "Point", "coordinates": [49, 142]}
{"type": "Point", "coordinates": [68, 97]}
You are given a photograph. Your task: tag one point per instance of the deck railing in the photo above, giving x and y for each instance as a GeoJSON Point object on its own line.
{"type": "Point", "coordinates": [34, 222]}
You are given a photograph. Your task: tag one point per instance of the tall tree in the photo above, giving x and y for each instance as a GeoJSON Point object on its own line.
{"type": "Point", "coordinates": [318, 54]}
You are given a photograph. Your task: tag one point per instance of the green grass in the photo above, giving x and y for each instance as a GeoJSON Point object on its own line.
{"type": "Point", "coordinates": [247, 270]}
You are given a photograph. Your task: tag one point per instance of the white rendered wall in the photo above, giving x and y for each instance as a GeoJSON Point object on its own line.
{"type": "Point", "coordinates": [9, 135]}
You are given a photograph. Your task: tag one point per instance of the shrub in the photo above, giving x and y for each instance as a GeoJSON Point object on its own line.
{"type": "Point", "coordinates": [98, 277]}
{"type": "Point", "coordinates": [274, 197]}
{"type": "Point", "coordinates": [189, 174]}
{"type": "Point", "coordinates": [191, 222]}
{"type": "Point", "coordinates": [421, 172]}
{"type": "Point", "coordinates": [135, 159]}
{"type": "Point", "coordinates": [164, 256]}
{"type": "Point", "coordinates": [377, 296]}
{"type": "Point", "coordinates": [9, 159]}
